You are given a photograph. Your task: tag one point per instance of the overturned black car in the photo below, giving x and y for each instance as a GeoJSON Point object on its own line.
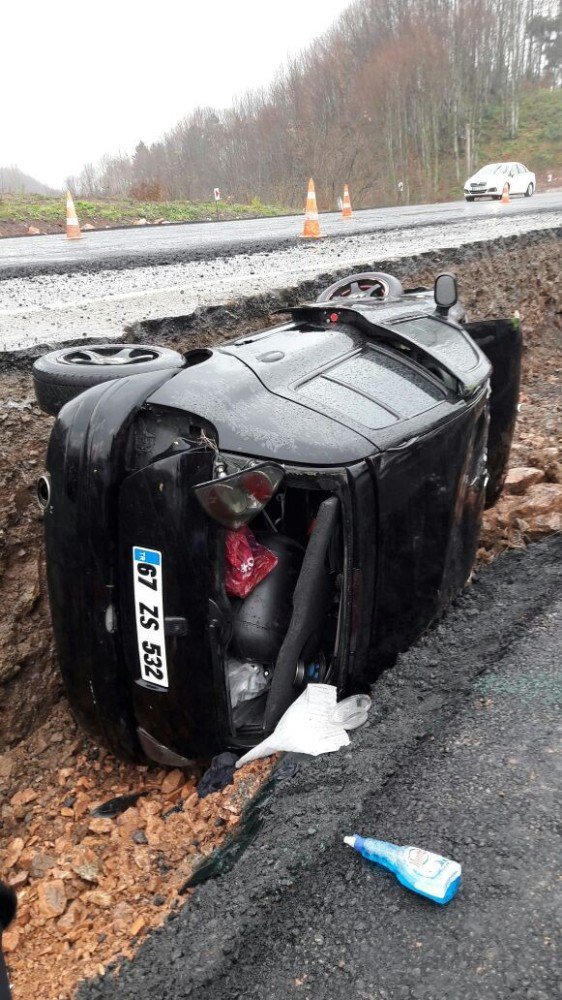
{"type": "Point", "coordinates": [347, 454]}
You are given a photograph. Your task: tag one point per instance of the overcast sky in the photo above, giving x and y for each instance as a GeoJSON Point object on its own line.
{"type": "Point", "coordinates": [80, 79]}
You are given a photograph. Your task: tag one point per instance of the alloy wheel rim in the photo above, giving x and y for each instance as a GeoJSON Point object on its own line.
{"type": "Point", "coordinates": [96, 356]}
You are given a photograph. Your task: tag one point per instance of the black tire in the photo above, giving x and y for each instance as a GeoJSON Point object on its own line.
{"type": "Point", "coordinates": [530, 191]}
{"type": "Point", "coordinates": [469, 197]}
{"type": "Point", "coordinates": [61, 375]}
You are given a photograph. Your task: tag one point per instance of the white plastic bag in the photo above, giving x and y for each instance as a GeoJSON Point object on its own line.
{"type": "Point", "coordinates": [245, 681]}
{"type": "Point", "coordinates": [308, 726]}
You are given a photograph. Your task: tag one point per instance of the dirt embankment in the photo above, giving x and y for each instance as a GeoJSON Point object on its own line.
{"type": "Point", "coordinates": [89, 887]}
{"type": "Point", "coordinates": [29, 684]}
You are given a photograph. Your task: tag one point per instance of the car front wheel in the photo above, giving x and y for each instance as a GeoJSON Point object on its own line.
{"type": "Point", "coordinates": [469, 197]}
{"type": "Point", "coordinates": [530, 191]}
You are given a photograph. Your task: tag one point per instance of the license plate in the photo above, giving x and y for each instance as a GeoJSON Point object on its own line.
{"type": "Point", "coordinates": [149, 614]}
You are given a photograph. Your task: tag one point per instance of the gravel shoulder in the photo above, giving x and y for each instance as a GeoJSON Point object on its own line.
{"type": "Point", "coordinates": [55, 308]}
{"type": "Point", "coordinates": [457, 757]}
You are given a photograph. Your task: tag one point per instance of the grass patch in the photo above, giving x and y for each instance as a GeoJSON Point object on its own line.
{"type": "Point", "coordinates": [42, 210]}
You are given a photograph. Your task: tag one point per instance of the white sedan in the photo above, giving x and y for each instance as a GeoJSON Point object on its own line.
{"type": "Point", "coordinates": [489, 181]}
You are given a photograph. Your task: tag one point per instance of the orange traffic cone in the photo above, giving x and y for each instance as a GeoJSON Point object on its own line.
{"type": "Point", "coordinates": [311, 226]}
{"type": "Point", "coordinates": [504, 200]}
{"type": "Point", "coordinates": [72, 224]}
{"type": "Point", "coordinates": [346, 212]}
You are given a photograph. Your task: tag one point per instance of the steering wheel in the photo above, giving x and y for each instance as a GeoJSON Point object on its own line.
{"type": "Point", "coordinates": [368, 285]}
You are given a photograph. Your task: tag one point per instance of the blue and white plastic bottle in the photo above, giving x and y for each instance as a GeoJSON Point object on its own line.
{"type": "Point", "coordinates": [428, 874]}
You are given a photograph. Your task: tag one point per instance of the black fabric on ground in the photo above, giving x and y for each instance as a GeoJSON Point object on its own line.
{"type": "Point", "coordinates": [218, 775]}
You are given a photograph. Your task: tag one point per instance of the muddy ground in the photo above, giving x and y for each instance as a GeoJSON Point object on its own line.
{"type": "Point", "coordinates": [493, 282]}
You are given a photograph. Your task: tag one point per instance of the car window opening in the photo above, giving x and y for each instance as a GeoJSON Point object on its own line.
{"type": "Point", "coordinates": [429, 365]}
{"type": "Point", "coordinates": [261, 620]}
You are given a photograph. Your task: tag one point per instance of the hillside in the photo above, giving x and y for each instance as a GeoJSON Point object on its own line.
{"type": "Point", "coordinates": [538, 143]}
{"type": "Point", "coordinates": [14, 181]}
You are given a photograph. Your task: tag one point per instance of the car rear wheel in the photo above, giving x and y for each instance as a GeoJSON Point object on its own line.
{"type": "Point", "coordinates": [61, 375]}
{"type": "Point", "coordinates": [367, 284]}
{"type": "Point", "coordinates": [530, 191]}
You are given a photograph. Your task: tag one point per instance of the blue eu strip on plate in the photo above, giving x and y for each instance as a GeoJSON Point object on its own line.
{"type": "Point", "coordinates": [146, 556]}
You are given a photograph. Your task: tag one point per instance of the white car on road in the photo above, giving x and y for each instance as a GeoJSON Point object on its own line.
{"type": "Point", "coordinates": [489, 181]}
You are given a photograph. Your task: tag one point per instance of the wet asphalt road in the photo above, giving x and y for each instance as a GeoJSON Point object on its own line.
{"type": "Point", "coordinates": [459, 756]}
{"type": "Point", "coordinates": [118, 248]}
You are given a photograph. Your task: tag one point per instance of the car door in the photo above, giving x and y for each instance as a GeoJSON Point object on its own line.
{"type": "Point", "coordinates": [526, 178]}
{"type": "Point", "coordinates": [519, 179]}
{"type": "Point", "coordinates": [502, 176]}
{"type": "Point", "coordinates": [511, 177]}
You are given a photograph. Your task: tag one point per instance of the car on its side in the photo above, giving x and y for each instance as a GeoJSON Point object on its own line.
{"type": "Point", "coordinates": [489, 181]}
{"type": "Point", "coordinates": [339, 461]}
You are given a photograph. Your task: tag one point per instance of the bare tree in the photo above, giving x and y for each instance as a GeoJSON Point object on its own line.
{"type": "Point", "coordinates": [396, 91]}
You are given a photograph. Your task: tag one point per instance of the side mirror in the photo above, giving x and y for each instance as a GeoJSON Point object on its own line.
{"type": "Point", "coordinates": [445, 292]}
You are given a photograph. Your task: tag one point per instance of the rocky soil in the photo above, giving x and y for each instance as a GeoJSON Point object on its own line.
{"type": "Point", "coordinates": [90, 887]}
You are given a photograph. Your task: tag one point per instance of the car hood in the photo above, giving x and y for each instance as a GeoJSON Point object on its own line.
{"type": "Point", "coordinates": [308, 396]}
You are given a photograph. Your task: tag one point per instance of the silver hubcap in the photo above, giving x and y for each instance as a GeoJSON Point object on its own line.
{"type": "Point", "coordinates": [108, 356]}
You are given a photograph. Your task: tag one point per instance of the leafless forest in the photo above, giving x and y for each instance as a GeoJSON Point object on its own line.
{"type": "Point", "coordinates": [395, 93]}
